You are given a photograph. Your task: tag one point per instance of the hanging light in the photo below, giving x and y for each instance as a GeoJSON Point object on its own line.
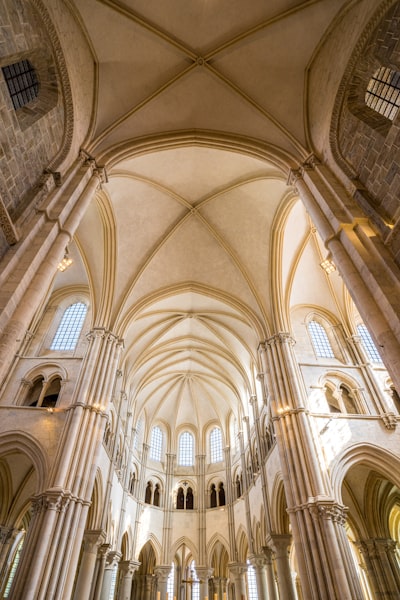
{"type": "Point", "coordinates": [328, 266]}
{"type": "Point", "coordinates": [66, 262]}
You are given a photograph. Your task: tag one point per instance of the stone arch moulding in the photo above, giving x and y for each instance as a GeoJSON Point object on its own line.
{"type": "Point", "coordinates": [15, 441]}
{"type": "Point", "coordinates": [384, 462]}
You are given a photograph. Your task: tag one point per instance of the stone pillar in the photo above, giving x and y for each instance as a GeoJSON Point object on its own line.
{"type": "Point", "coordinates": [382, 566]}
{"type": "Point", "coordinates": [92, 540]}
{"type": "Point", "coordinates": [101, 565]}
{"type": "Point", "coordinates": [204, 574]}
{"type": "Point", "coordinates": [112, 561]}
{"type": "Point", "coordinates": [317, 519]}
{"type": "Point", "coordinates": [238, 571]}
{"type": "Point", "coordinates": [259, 562]}
{"type": "Point", "coordinates": [168, 505]}
{"type": "Point", "coordinates": [280, 545]}
{"type": "Point", "coordinates": [162, 572]}
{"type": "Point", "coordinates": [229, 501]}
{"type": "Point", "coordinates": [363, 262]}
{"type": "Point", "coordinates": [127, 569]}
{"type": "Point", "coordinates": [148, 587]}
{"type": "Point", "coordinates": [269, 568]}
{"type": "Point", "coordinates": [25, 282]}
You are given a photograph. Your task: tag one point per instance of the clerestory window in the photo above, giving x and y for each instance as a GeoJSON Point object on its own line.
{"type": "Point", "coordinates": [320, 340]}
{"type": "Point", "coordinates": [368, 344]}
{"type": "Point", "coordinates": [22, 83]}
{"type": "Point", "coordinates": [383, 92]}
{"type": "Point", "coordinates": [156, 443]}
{"type": "Point", "coordinates": [70, 327]}
{"type": "Point", "coordinates": [216, 445]}
{"type": "Point", "coordinates": [186, 457]}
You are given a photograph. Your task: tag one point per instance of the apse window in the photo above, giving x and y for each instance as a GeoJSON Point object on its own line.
{"type": "Point", "coordinates": [70, 327]}
{"type": "Point", "coordinates": [156, 443]}
{"type": "Point", "coordinates": [368, 344]}
{"type": "Point", "coordinates": [186, 450]}
{"type": "Point", "coordinates": [22, 83]}
{"type": "Point", "coordinates": [320, 340]}
{"type": "Point", "coordinates": [383, 92]}
{"type": "Point", "coordinates": [216, 445]}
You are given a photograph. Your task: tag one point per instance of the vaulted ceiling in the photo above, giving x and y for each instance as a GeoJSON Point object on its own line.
{"type": "Point", "coordinates": [196, 247]}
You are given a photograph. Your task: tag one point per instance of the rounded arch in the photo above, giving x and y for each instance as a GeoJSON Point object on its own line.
{"type": "Point", "coordinates": [375, 457]}
{"type": "Point", "coordinates": [13, 442]}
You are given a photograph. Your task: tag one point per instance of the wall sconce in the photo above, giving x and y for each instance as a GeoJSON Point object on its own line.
{"type": "Point", "coordinates": [328, 266]}
{"type": "Point", "coordinates": [66, 262]}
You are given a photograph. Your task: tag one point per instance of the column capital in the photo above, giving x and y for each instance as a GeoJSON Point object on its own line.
{"type": "Point", "coordinates": [162, 572]}
{"type": "Point", "coordinates": [53, 499]}
{"type": "Point", "coordinates": [204, 572]}
{"type": "Point", "coordinates": [258, 561]}
{"type": "Point", "coordinates": [269, 554]}
{"type": "Point", "coordinates": [237, 569]}
{"type": "Point", "coordinates": [113, 558]}
{"type": "Point", "coordinates": [128, 567]}
{"type": "Point", "coordinates": [280, 543]}
{"type": "Point", "coordinates": [93, 539]}
{"type": "Point", "coordinates": [328, 510]}
{"type": "Point", "coordinates": [282, 337]}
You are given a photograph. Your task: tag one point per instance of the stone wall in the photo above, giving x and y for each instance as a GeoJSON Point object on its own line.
{"type": "Point", "coordinates": [31, 136]}
{"type": "Point", "coordinates": [367, 141]}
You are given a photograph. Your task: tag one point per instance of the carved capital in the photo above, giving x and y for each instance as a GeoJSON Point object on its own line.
{"type": "Point", "coordinates": [328, 509]}
{"type": "Point", "coordinates": [53, 499]}
{"type": "Point", "coordinates": [280, 338]}
{"type": "Point", "coordinates": [389, 421]}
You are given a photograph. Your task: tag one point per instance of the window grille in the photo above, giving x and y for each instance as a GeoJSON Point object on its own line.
{"type": "Point", "coordinates": [156, 443]}
{"type": "Point", "coordinates": [13, 569]}
{"type": "Point", "coordinates": [171, 582]}
{"type": "Point", "coordinates": [251, 582]}
{"type": "Point", "coordinates": [70, 327]}
{"type": "Point", "coordinates": [368, 344]}
{"type": "Point", "coordinates": [196, 583]}
{"type": "Point", "coordinates": [186, 449]}
{"type": "Point", "coordinates": [216, 445]}
{"type": "Point", "coordinates": [383, 92]}
{"type": "Point", "coordinates": [22, 83]}
{"type": "Point", "coordinates": [320, 340]}
{"type": "Point", "coordinates": [113, 583]}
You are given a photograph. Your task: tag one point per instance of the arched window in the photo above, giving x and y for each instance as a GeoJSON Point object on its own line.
{"type": "Point", "coordinates": [156, 443]}
{"type": "Point", "coordinates": [180, 499]}
{"type": "Point", "coordinates": [368, 343]}
{"type": "Point", "coordinates": [216, 445]}
{"type": "Point", "coordinates": [51, 393]}
{"type": "Point", "coordinates": [132, 482]}
{"type": "Point", "coordinates": [70, 327]}
{"type": "Point", "coordinates": [186, 458]}
{"type": "Point", "coordinates": [320, 340]}
{"type": "Point", "coordinates": [34, 392]}
{"type": "Point", "coordinates": [238, 484]}
{"type": "Point", "coordinates": [22, 83]}
{"type": "Point", "coordinates": [383, 92]}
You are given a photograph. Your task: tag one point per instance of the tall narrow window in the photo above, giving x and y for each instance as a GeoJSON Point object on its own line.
{"type": "Point", "coordinates": [70, 327]}
{"type": "Point", "coordinates": [156, 443]}
{"type": "Point", "coordinates": [22, 83]}
{"type": "Point", "coordinates": [13, 569]}
{"type": "Point", "coordinates": [216, 445]}
{"type": "Point", "coordinates": [368, 343]}
{"type": "Point", "coordinates": [320, 340]}
{"type": "Point", "coordinates": [383, 92]}
{"type": "Point", "coordinates": [186, 458]}
{"type": "Point", "coordinates": [251, 582]}
{"type": "Point", "coordinates": [196, 583]}
{"type": "Point", "coordinates": [171, 582]}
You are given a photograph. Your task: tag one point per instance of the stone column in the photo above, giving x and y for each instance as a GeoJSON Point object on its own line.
{"type": "Point", "coordinates": [259, 562]}
{"type": "Point", "coordinates": [168, 505]}
{"type": "Point", "coordinates": [269, 568]}
{"type": "Point", "coordinates": [112, 561]}
{"type": "Point", "coordinates": [101, 565]}
{"type": "Point", "coordinates": [162, 572]}
{"type": "Point", "coordinates": [363, 262]}
{"type": "Point", "coordinates": [92, 540]}
{"type": "Point", "coordinates": [229, 501]}
{"type": "Point", "coordinates": [280, 545]}
{"type": "Point", "coordinates": [127, 569]}
{"type": "Point", "coordinates": [148, 587]}
{"type": "Point", "coordinates": [238, 571]}
{"type": "Point", "coordinates": [382, 566]}
{"type": "Point", "coordinates": [25, 282]}
{"type": "Point", "coordinates": [316, 518]}
{"type": "Point", "coordinates": [204, 574]}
